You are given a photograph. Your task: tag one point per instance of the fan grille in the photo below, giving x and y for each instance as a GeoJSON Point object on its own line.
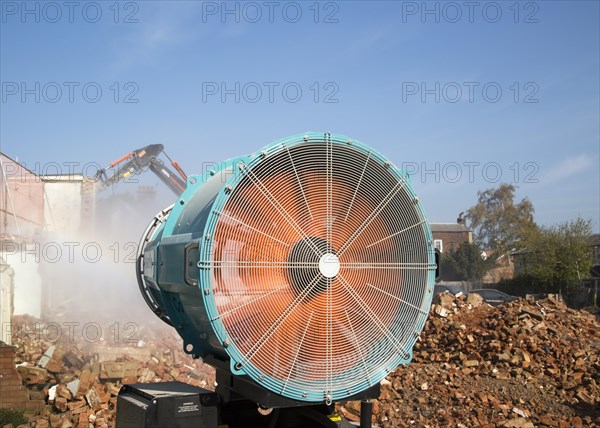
{"type": "Point", "coordinates": [321, 263]}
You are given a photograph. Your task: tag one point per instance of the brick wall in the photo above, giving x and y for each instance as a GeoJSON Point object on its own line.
{"type": "Point", "coordinates": [12, 392]}
{"type": "Point", "coordinates": [21, 199]}
{"type": "Point", "coordinates": [452, 239]}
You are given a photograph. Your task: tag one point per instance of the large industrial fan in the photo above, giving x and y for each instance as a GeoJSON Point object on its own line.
{"type": "Point", "coordinates": [304, 272]}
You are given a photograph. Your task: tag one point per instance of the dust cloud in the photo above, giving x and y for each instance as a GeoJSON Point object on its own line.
{"type": "Point", "coordinates": [89, 285]}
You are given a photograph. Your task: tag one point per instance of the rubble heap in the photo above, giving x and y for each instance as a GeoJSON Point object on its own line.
{"type": "Point", "coordinates": [522, 364]}
{"type": "Point", "coordinates": [75, 383]}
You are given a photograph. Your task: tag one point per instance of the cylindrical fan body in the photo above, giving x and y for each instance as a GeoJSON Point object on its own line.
{"type": "Point", "coordinates": [308, 264]}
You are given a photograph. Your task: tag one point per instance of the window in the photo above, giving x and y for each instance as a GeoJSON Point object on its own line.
{"type": "Point", "coordinates": [437, 243]}
{"type": "Point", "coordinates": [485, 294]}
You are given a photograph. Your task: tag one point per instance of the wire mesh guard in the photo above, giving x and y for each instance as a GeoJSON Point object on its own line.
{"type": "Point", "coordinates": [321, 265]}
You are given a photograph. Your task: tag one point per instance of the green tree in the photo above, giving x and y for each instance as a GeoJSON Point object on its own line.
{"type": "Point", "coordinates": [465, 263]}
{"type": "Point", "coordinates": [561, 252]}
{"type": "Point", "coordinates": [497, 222]}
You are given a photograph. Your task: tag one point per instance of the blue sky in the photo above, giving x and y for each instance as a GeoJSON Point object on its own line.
{"type": "Point", "coordinates": [375, 58]}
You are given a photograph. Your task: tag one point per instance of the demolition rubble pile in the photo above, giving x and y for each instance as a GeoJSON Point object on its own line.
{"type": "Point", "coordinates": [75, 383]}
{"type": "Point", "coordinates": [522, 364]}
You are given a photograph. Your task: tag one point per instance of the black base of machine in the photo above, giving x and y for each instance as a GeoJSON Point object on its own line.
{"type": "Point", "coordinates": [244, 413]}
{"type": "Point", "coordinates": [179, 405]}
{"type": "Point", "coordinates": [166, 404]}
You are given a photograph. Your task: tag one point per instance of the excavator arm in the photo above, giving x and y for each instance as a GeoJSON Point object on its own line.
{"type": "Point", "coordinates": [173, 182]}
{"type": "Point", "coordinates": [138, 161]}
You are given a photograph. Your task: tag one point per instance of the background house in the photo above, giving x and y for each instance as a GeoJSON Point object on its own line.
{"type": "Point", "coordinates": [447, 236]}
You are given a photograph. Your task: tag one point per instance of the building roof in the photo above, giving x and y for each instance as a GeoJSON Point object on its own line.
{"type": "Point", "coordinates": [595, 240]}
{"type": "Point", "coordinates": [448, 227]}
{"type": "Point", "coordinates": [9, 159]}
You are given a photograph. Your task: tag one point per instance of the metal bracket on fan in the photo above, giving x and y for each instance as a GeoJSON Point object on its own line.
{"type": "Point", "coordinates": [232, 386]}
{"type": "Point", "coordinates": [158, 220]}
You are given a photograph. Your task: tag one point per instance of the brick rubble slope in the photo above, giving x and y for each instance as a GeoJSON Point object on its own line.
{"type": "Point", "coordinates": [518, 365]}
{"type": "Point", "coordinates": [86, 381]}
{"type": "Point", "coordinates": [522, 364]}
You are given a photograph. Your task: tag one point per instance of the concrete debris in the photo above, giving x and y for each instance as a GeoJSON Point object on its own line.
{"type": "Point", "coordinates": [439, 310]}
{"type": "Point", "coordinates": [32, 375]}
{"type": "Point", "coordinates": [52, 393]}
{"type": "Point", "coordinates": [45, 359]}
{"type": "Point", "coordinates": [474, 299]}
{"type": "Point", "coordinates": [92, 398]}
{"type": "Point", "coordinates": [73, 386]}
{"type": "Point", "coordinates": [385, 382]}
{"type": "Point", "coordinates": [115, 370]}
{"type": "Point", "coordinates": [64, 383]}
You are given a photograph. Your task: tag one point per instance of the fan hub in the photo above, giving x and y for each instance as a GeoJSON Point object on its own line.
{"type": "Point", "coordinates": [312, 257]}
{"type": "Point", "coordinates": [329, 265]}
